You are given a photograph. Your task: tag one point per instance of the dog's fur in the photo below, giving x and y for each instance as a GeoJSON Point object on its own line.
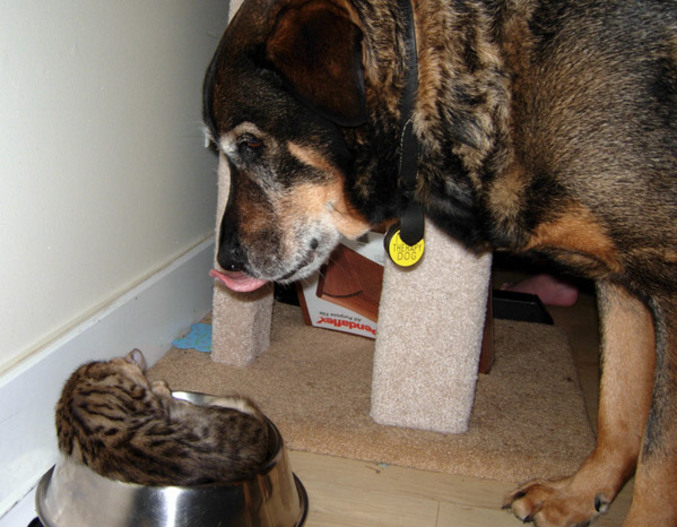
{"type": "Point", "coordinates": [545, 126]}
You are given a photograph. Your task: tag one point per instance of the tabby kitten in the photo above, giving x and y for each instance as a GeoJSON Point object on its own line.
{"type": "Point", "coordinates": [114, 420]}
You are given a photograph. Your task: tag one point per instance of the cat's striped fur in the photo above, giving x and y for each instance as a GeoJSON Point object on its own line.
{"type": "Point", "coordinates": [125, 427]}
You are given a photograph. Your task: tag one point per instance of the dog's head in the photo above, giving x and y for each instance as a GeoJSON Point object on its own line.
{"type": "Point", "coordinates": [285, 83]}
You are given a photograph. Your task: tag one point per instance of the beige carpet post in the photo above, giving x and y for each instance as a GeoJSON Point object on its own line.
{"type": "Point", "coordinates": [429, 339]}
{"type": "Point", "coordinates": [240, 321]}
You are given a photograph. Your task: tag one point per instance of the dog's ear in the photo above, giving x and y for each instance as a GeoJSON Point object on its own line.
{"type": "Point", "coordinates": [319, 51]}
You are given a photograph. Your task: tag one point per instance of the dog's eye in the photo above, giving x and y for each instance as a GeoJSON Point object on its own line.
{"type": "Point", "coordinates": [249, 144]}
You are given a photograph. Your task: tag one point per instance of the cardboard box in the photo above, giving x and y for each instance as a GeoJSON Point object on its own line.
{"type": "Point", "coordinates": [344, 295]}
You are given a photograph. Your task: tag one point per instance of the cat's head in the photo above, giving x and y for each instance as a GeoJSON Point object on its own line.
{"type": "Point", "coordinates": [121, 371]}
{"type": "Point", "coordinates": [98, 394]}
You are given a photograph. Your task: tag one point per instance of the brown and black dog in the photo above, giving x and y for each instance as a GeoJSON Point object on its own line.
{"type": "Point", "coordinates": [544, 126]}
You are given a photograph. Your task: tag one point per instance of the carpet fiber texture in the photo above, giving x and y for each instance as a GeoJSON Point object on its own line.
{"type": "Point", "coordinates": [528, 419]}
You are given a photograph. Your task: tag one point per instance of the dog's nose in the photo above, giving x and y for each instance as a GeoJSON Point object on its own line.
{"type": "Point", "coordinates": [228, 263]}
{"type": "Point", "coordinates": [231, 255]}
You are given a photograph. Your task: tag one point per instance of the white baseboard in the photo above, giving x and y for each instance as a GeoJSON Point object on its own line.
{"type": "Point", "coordinates": [147, 317]}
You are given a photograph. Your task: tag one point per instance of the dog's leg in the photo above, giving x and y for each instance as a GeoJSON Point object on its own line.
{"type": "Point", "coordinates": [628, 351]}
{"type": "Point", "coordinates": [655, 494]}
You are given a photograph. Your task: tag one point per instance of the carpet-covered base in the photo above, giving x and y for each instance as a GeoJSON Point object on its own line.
{"type": "Point", "coordinates": [529, 418]}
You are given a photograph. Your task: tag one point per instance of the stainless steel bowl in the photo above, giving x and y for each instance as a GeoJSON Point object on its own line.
{"type": "Point", "coordinates": [72, 495]}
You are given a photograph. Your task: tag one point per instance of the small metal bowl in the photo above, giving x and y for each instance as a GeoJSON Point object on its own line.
{"type": "Point", "coordinates": [72, 495]}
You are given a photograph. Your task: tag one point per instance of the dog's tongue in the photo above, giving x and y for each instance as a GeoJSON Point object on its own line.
{"type": "Point", "coordinates": [237, 281]}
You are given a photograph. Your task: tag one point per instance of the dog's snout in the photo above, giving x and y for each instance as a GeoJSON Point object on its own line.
{"type": "Point", "coordinates": [230, 260]}
{"type": "Point", "coordinates": [231, 255]}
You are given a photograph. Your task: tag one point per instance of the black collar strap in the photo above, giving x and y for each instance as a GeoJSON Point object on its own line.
{"type": "Point", "coordinates": [412, 221]}
{"type": "Point", "coordinates": [404, 240]}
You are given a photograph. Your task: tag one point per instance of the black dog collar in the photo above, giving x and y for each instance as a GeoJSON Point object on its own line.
{"type": "Point", "coordinates": [404, 240]}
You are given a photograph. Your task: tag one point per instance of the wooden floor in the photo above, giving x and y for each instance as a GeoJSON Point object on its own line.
{"type": "Point", "coordinates": [344, 492]}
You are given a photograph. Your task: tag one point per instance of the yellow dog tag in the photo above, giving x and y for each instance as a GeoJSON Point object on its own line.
{"type": "Point", "coordinates": [401, 253]}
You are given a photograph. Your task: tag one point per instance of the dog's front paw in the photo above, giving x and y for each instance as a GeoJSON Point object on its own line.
{"type": "Point", "coordinates": [555, 504]}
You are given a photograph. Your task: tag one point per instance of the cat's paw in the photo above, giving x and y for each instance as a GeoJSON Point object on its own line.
{"type": "Point", "coordinates": [161, 388]}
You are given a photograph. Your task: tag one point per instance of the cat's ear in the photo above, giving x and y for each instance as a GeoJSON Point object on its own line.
{"type": "Point", "coordinates": [136, 356]}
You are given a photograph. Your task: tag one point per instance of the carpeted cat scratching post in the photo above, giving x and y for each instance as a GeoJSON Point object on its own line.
{"type": "Point", "coordinates": [429, 340]}
{"type": "Point", "coordinates": [240, 321]}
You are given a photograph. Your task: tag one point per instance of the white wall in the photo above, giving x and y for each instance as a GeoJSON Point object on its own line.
{"type": "Point", "coordinates": [103, 175]}
{"type": "Point", "coordinates": [107, 201]}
